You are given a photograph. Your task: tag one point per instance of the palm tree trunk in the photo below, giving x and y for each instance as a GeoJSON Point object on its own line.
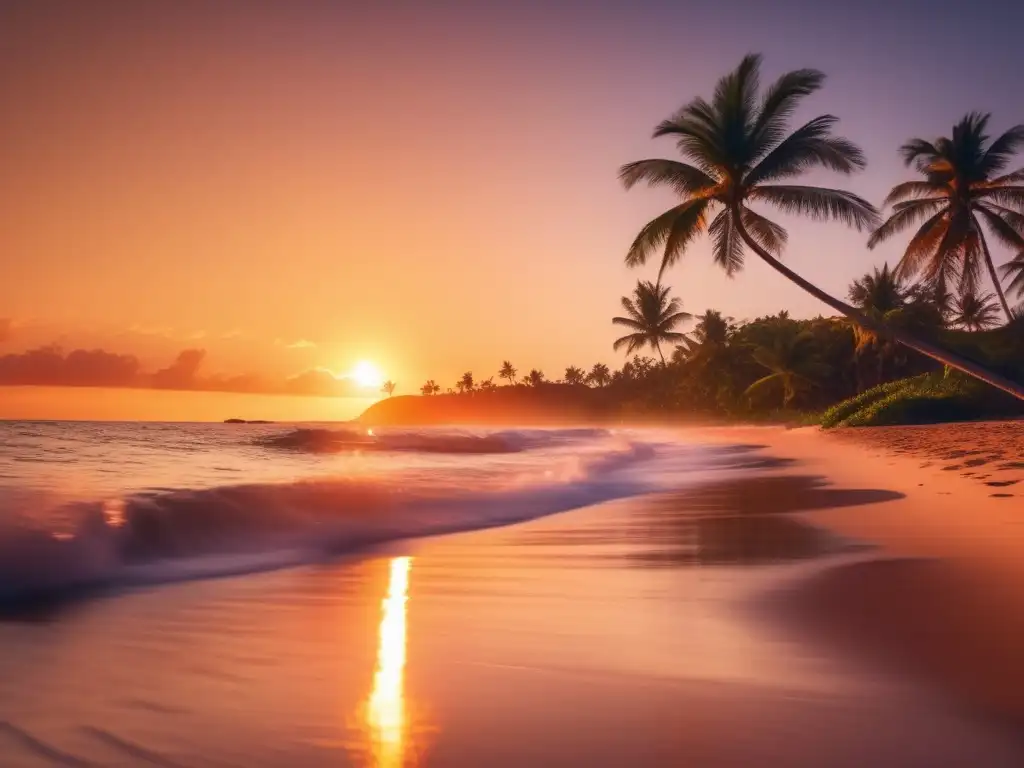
{"type": "Point", "coordinates": [992, 273]}
{"type": "Point", "coordinates": [657, 346]}
{"type": "Point", "coordinates": [883, 329]}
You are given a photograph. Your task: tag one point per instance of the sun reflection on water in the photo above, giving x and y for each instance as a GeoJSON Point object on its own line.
{"type": "Point", "coordinates": [385, 713]}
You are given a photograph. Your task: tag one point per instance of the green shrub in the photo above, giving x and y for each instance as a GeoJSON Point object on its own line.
{"type": "Point", "coordinates": [838, 414]}
{"type": "Point", "coordinates": [925, 399]}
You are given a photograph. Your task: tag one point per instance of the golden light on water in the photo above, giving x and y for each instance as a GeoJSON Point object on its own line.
{"type": "Point", "coordinates": [386, 708]}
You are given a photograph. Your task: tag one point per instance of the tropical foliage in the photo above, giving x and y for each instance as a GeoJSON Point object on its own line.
{"type": "Point", "coordinates": [740, 152]}
{"type": "Point", "coordinates": [965, 185]}
{"type": "Point", "coordinates": [652, 317]}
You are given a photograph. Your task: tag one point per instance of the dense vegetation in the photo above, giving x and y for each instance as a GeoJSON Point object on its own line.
{"type": "Point", "coordinates": [898, 351]}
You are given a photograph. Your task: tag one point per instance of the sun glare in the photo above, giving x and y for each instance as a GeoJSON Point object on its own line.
{"type": "Point", "coordinates": [367, 374]}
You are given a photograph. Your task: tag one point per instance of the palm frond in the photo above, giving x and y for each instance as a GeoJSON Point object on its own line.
{"type": "Point", "coordinates": [683, 179]}
{"type": "Point", "coordinates": [735, 104]}
{"type": "Point", "coordinates": [629, 322]}
{"type": "Point", "coordinates": [914, 190]}
{"type": "Point", "coordinates": [1014, 273]}
{"type": "Point", "coordinates": [811, 145]}
{"type": "Point", "coordinates": [727, 247]}
{"type": "Point", "coordinates": [919, 153]}
{"type": "Point", "coordinates": [923, 245]}
{"type": "Point", "coordinates": [1011, 196]}
{"type": "Point", "coordinates": [820, 203]}
{"type": "Point", "coordinates": [762, 383]}
{"type": "Point", "coordinates": [632, 342]}
{"type": "Point", "coordinates": [657, 231]}
{"type": "Point", "coordinates": [767, 233]}
{"type": "Point", "coordinates": [698, 136]}
{"type": "Point", "coordinates": [1004, 232]}
{"type": "Point", "coordinates": [779, 102]}
{"type": "Point", "coordinates": [1000, 151]}
{"type": "Point", "coordinates": [687, 227]}
{"type": "Point", "coordinates": [905, 216]}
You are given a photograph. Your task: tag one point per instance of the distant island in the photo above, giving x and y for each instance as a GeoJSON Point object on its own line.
{"type": "Point", "coordinates": [247, 421]}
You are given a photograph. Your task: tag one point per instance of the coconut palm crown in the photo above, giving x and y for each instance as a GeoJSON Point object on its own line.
{"type": "Point", "coordinates": [964, 186]}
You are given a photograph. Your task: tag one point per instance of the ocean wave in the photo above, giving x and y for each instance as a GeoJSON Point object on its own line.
{"type": "Point", "coordinates": [318, 440]}
{"type": "Point", "coordinates": [164, 535]}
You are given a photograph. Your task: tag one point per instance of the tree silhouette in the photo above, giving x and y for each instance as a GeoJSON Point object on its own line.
{"type": "Point", "coordinates": [976, 313]}
{"type": "Point", "coordinates": [652, 317]}
{"type": "Point", "coordinates": [465, 384]}
{"type": "Point", "coordinates": [430, 388]}
{"type": "Point", "coordinates": [599, 375]}
{"type": "Point", "coordinates": [964, 185]}
{"type": "Point", "coordinates": [534, 378]}
{"type": "Point", "coordinates": [574, 375]}
{"type": "Point", "coordinates": [389, 387]}
{"type": "Point", "coordinates": [508, 371]}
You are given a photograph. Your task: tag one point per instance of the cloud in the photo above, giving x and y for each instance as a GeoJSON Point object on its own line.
{"type": "Point", "coordinates": [5, 329]}
{"type": "Point", "coordinates": [182, 373]}
{"type": "Point", "coordinates": [51, 366]}
{"type": "Point", "coordinates": [302, 344]}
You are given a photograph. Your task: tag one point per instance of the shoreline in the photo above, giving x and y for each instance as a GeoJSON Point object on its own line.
{"type": "Point", "coordinates": [726, 623]}
{"type": "Point", "coordinates": [939, 603]}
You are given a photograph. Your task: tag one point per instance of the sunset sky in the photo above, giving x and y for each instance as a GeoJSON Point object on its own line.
{"type": "Point", "coordinates": [287, 186]}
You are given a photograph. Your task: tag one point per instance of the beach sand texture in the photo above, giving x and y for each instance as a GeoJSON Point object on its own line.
{"type": "Point", "coordinates": [745, 622]}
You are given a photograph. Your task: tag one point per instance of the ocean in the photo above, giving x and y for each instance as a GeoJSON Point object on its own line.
{"type": "Point", "coordinates": [88, 506]}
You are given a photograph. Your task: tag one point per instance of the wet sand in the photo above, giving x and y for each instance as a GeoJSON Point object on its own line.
{"type": "Point", "coordinates": [739, 623]}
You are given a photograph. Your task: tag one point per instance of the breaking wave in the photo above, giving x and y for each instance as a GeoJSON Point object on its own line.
{"type": "Point", "coordinates": [164, 535]}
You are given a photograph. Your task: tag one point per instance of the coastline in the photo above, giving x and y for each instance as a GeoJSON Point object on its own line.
{"type": "Point", "coordinates": [729, 623]}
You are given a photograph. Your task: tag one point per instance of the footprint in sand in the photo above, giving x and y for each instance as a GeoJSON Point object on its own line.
{"type": "Point", "coordinates": [1012, 465]}
{"type": "Point", "coordinates": [1001, 495]}
{"type": "Point", "coordinates": [1001, 483]}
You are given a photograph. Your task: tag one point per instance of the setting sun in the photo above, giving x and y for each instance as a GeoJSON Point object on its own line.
{"type": "Point", "coordinates": [366, 374]}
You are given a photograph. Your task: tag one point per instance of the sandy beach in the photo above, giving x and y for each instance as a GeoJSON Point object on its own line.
{"type": "Point", "coordinates": [823, 612]}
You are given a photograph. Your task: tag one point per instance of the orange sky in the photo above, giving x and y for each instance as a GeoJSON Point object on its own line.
{"type": "Point", "coordinates": [298, 185]}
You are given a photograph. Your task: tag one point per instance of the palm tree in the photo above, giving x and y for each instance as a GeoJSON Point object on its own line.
{"type": "Point", "coordinates": [465, 384]}
{"type": "Point", "coordinates": [652, 316]}
{"type": "Point", "coordinates": [964, 185]}
{"type": "Point", "coordinates": [882, 290]}
{"type": "Point", "coordinates": [534, 378]}
{"type": "Point", "coordinates": [599, 375]}
{"type": "Point", "coordinates": [487, 384]}
{"type": "Point", "coordinates": [793, 362]}
{"type": "Point", "coordinates": [976, 313]}
{"type": "Point", "coordinates": [508, 371]}
{"type": "Point", "coordinates": [389, 387]}
{"type": "Point", "coordinates": [430, 388]}
{"type": "Point", "coordinates": [574, 375]}
{"type": "Point", "coordinates": [740, 146]}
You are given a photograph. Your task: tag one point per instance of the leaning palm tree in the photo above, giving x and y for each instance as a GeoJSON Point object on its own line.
{"type": "Point", "coordinates": [508, 371]}
{"type": "Point", "coordinates": [652, 317]}
{"type": "Point", "coordinates": [740, 149]}
{"type": "Point", "coordinates": [794, 365]}
{"type": "Point", "coordinates": [599, 375]}
{"type": "Point", "coordinates": [976, 313]}
{"type": "Point", "coordinates": [388, 387]}
{"type": "Point", "coordinates": [964, 185]}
